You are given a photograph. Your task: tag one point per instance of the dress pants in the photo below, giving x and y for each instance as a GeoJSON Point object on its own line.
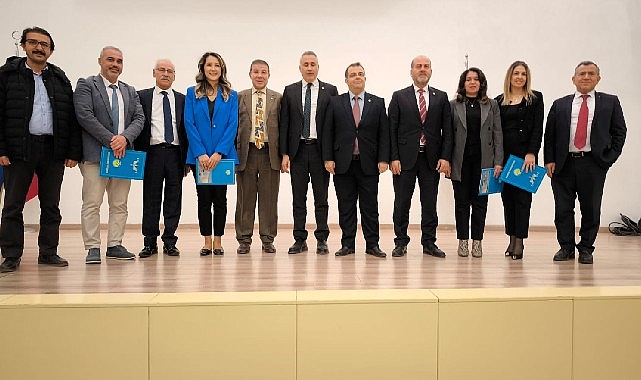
{"type": "Point", "coordinates": [257, 181]}
{"type": "Point", "coordinates": [211, 196]}
{"type": "Point", "coordinates": [164, 165]}
{"type": "Point", "coordinates": [354, 186]}
{"type": "Point", "coordinates": [306, 165]}
{"type": "Point", "coordinates": [516, 211]}
{"type": "Point", "coordinates": [580, 177]}
{"type": "Point", "coordinates": [404, 183]}
{"type": "Point", "coordinates": [17, 179]}
{"type": "Point", "coordinates": [466, 196]}
{"type": "Point", "coordinates": [93, 192]}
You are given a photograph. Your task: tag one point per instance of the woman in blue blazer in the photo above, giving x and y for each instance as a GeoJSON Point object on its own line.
{"type": "Point", "coordinates": [211, 122]}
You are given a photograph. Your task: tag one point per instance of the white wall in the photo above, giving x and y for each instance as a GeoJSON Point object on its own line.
{"type": "Point", "coordinates": [552, 36]}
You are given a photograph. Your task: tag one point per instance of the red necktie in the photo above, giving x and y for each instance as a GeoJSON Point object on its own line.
{"type": "Point", "coordinates": [356, 112]}
{"type": "Point", "coordinates": [423, 111]}
{"type": "Point", "coordinates": [581, 134]}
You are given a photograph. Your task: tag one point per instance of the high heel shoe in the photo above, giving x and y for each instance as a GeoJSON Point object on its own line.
{"type": "Point", "coordinates": [509, 251]}
{"type": "Point", "coordinates": [518, 250]}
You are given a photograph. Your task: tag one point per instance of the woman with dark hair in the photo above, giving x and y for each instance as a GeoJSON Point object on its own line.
{"type": "Point", "coordinates": [478, 144]}
{"type": "Point", "coordinates": [211, 122]}
{"type": "Point", "coordinates": [522, 121]}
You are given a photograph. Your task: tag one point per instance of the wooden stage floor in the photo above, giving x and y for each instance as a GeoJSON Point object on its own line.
{"type": "Point", "coordinates": [617, 262]}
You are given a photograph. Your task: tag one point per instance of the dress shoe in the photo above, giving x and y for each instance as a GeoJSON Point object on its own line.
{"type": "Point", "coordinates": [321, 247]}
{"type": "Point", "coordinates": [477, 248]}
{"type": "Point", "coordinates": [585, 258]}
{"type": "Point", "coordinates": [509, 251]}
{"type": "Point", "coordinates": [205, 252]}
{"type": "Point", "coordinates": [218, 251]}
{"type": "Point", "coordinates": [269, 248]}
{"type": "Point", "coordinates": [10, 264]}
{"type": "Point", "coordinates": [53, 260]}
{"type": "Point", "coordinates": [298, 247]}
{"type": "Point", "coordinates": [93, 256]}
{"type": "Point", "coordinates": [564, 255]}
{"type": "Point", "coordinates": [399, 251]}
{"type": "Point", "coordinates": [344, 251]}
{"type": "Point", "coordinates": [432, 250]}
{"type": "Point", "coordinates": [170, 250]}
{"type": "Point", "coordinates": [517, 254]}
{"type": "Point", "coordinates": [119, 252]}
{"type": "Point", "coordinates": [243, 248]}
{"type": "Point", "coordinates": [463, 248]}
{"type": "Point", "coordinates": [148, 251]}
{"type": "Point", "coordinates": [376, 252]}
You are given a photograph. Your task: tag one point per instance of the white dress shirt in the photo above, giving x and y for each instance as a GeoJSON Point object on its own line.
{"type": "Point", "coordinates": [158, 117]}
{"type": "Point", "coordinates": [312, 116]}
{"type": "Point", "coordinates": [576, 106]}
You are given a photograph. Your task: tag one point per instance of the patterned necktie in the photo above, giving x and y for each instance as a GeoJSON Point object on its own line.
{"type": "Point", "coordinates": [115, 114]}
{"type": "Point", "coordinates": [581, 134]}
{"type": "Point", "coordinates": [307, 112]}
{"type": "Point", "coordinates": [423, 111]}
{"type": "Point", "coordinates": [356, 112]}
{"type": "Point", "coordinates": [259, 123]}
{"type": "Point", "coordinates": [169, 125]}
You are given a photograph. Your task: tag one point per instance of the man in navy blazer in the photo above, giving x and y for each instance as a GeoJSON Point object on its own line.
{"type": "Point", "coordinates": [302, 115]}
{"type": "Point", "coordinates": [421, 147]}
{"type": "Point", "coordinates": [356, 150]}
{"type": "Point", "coordinates": [584, 136]}
{"type": "Point", "coordinates": [165, 142]}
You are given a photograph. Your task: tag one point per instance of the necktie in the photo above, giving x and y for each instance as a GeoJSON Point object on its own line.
{"type": "Point", "coordinates": [423, 111]}
{"type": "Point", "coordinates": [259, 123]}
{"type": "Point", "coordinates": [581, 134]}
{"type": "Point", "coordinates": [169, 125]}
{"type": "Point", "coordinates": [115, 114]}
{"type": "Point", "coordinates": [307, 112]}
{"type": "Point", "coordinates": [356, 112]}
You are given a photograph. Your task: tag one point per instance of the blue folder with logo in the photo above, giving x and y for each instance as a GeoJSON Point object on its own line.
{"type": "Point", "coordinates": [130, 166]}
{"type": "Point", "coordinates": [223, 174]}
{"type": "Point", "coordinates": [489, 184]}
{"type": "Point", "coordinates": [513, 175]}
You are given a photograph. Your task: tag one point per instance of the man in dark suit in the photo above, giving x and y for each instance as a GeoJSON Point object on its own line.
{"type": "Point", "coordinates": [258, 169]}
{"type": "Point", "coordinates": [164, 139]}
{"type": "Point", "coordinates": [356, 150]}
{"type": "Point", "coordinates": [421, 132]}
{"type": "Point", "coordinates": [584, 136]}
{"type": "Point", "coordinates": [301, 121]}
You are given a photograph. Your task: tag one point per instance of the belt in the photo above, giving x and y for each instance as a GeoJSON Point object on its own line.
{"type": "Point", "coordinates": [41, 138]}
{"type": "Point", "coordinates": [579, 154]}
{"type": "Point", "coordinates": [356, 157]}
{"type": "Point", "coordinates": [265, 145]}
{"type": "Point", "coordinates": [421, 148]}
{"type": "Point", "coordinates": [309, 141]}
{"type": "Point", "coordinates": [165, 145]}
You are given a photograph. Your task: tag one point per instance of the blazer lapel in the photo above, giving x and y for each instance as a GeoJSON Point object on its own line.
{"type": "Point", "coordinates": [125, 100]}
{"type": "Point", "coordinates": [100, 85]}
{"type": "Point", "coordinates": [348, 108]}
{"type": "Point", "coordinates": [597, 108]}
{"type": "Point", "coordinates": [411, 98]}
{"type": "Point", "coordinates": [179, 110]}
{"type": "Point", "coordinates": [460, 112]}
{"type": "Point", "coordinates": [367, 104]}
{"type": "Point", "coordinates": [485, 110]}
{"type": "Point", "coordinates": [299, 89]}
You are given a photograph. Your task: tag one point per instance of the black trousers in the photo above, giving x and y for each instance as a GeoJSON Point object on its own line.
{"type": "Point", "coordinates": [351, 187]}
{"type": "Point", "coordinates": [211, 196]}
{"type": "Point", "coordinates": [404, 183]}
{"type": "Point", "coordinates": [305, 166]}
{"type": "Point", "coordinates": [516, 211]}
{"type": "Point", "coordinates": [580, 177]}
{"type": "Point", "coordinates": [466, 198]}
{"type": "Point", "coordinates": [163, 166]}
{"type": "Point", "coordinates": [17, 179]}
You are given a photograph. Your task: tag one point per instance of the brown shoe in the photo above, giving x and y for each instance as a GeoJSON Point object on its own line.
{"type": "Point", "coordinates": [269, 248]}
{"type": "Point", "coordinates": [243, 248]}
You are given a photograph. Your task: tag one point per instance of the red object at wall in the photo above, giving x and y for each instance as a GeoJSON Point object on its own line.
{"type": "Point", "coordinates": [33, 189]}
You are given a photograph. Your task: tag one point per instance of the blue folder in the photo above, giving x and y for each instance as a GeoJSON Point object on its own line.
{"type": "Point", "coordinates": [130, 166]}
{"type": "Point", "coordinates": [489, 184]}
{"type": "Point", "coordinates": [513, 175]}
{"type": "Point", "coordinates": [223, 174]}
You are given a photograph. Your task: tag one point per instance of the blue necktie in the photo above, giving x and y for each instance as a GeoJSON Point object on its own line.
{"type": "Point", "coordinates": [166, 110]}
{"type": "Point", "coordinates": [115, 114]}
{"type": "Point", "coordinates": [307, 112]}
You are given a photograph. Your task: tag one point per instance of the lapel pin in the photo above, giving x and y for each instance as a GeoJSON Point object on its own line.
{"type": "Point", "coordinates": [369, 100]}
{"type": "Point", "coordinates": [322, 87]}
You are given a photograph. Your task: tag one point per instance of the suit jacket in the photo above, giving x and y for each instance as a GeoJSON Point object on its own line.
{"type": "Point", "coordinates": [339, 133]}
{"type": "Point", "coordinates": [93, 111]}
{"type": "Point", "coordinates": [245, 126]}
{"type": "Point", "coordinates": [405, 127]}
{"type": "Point", "coordinates": [491, 136]}
{"type": "Point", "coordinates": [142, 142]}
{"type": "Point", "coordinates": [530, 125]}
{"type": "Point", "coordinates": [291, 115]}
{"type": "Point", "coordinates": [607, 133]}
{"type": "Point", "coordinates": [210, 135]}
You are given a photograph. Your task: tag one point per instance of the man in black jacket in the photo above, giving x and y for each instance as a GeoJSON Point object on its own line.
{"type": "Point", "coordinates": [38, 134]}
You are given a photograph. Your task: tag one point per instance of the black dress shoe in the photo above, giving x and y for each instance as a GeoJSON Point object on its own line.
{"type": "Point", "coordinates": [52, 260]}
{"type": "Point", "coordinates": [218, 251]}
{"type": "Point", "coordinates": [205, 252]}
{"type": "Point", "coordinates": [243, 248]}
{"type": "Point", "coordinates": [321, 247]}
{"type": "Point", "coordinates": [564, 255]}
{"type": "Point", "coordinates": [585, 258]}
{"type": "Point", "coordinates": [433, 250]}
{"type": "Point", "coordinates": [344, 251]}
{"type": "Point", "coordinates": [298, 247]}
{"type": "Point", "coordinates": [170, 250]}
{"type": "Point", "coordinates": [147, 251]}
{"type": "Point", "coordinates": [375, 251]}
{"type": "Point", "coordinates": [269, 248]}
{"type": "Point", "coordinates": [10, 264]}
{"type": "Point", "coordinates": [399, 251]}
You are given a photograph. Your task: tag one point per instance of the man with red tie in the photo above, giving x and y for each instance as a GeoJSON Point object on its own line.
{"type": "Point", "coordinates": [584, 136]}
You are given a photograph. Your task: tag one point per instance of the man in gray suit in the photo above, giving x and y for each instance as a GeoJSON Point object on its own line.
{"type": "Point", "coordinates": [258, 170]}
{"type": "Point", "coordinates": [110, 115]}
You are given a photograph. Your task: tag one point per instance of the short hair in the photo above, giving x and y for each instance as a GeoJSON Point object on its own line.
{"type": "Point", "coordinates": [258, 62]}
{"type": "Point", "coordinates": [482, 95]}
{"type": "Point", "coordinates": [109, 48]}
{"type": "Point", "coordinates": [36, 29]}
{"type": "Point", "coordinates": [355, 64]}
{"type": "Point", "coordinates": [507, 84]}
{"type": "Point", "coordinates": [584, 63]}
{"type": "Point", "coordinates": [308, 52]}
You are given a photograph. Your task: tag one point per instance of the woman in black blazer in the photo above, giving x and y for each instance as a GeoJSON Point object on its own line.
{"type": "Point", "coordinates": [522, 122]}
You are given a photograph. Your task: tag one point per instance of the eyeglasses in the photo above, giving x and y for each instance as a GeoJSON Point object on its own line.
{"type": "Point", "coordinates": [34, 43]}
{"type": "Point", "coordinates": [163, 70]}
